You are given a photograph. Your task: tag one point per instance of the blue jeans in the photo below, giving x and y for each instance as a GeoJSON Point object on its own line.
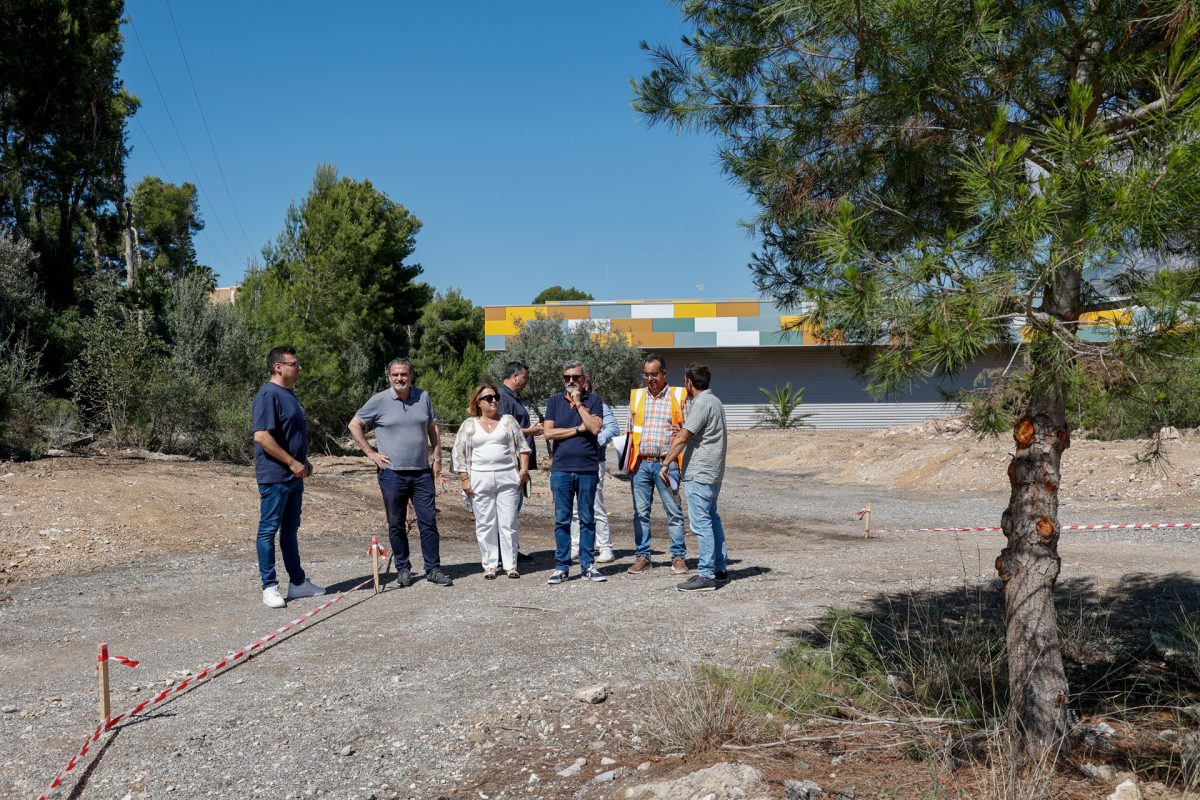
{"type": "Point", "coordinates": [706, 524]}
{"type": "Point", "coordinates": [566, 487]}
{"type": "Point", "coordinates": [279, 510]}
{"type": "Point", "coordinates": [644, 480]}
{"type": "Point", "coordinates": [398, 487]}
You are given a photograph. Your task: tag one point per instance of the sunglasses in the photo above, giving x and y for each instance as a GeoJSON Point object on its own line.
{"type": "Point", "coordinates": [569, 378]}
{"type": "Point", "coordinates": [487, 398]}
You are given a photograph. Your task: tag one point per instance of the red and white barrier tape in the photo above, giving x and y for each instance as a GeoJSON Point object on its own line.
{"type": "Point", "coordinates": [376, 546]}
{"type": "Point", "coordinates": [126, 660]}
{"type": "Point", "coordinates": [1132, 526]}
{"type": "Point", "coordinates": [208, 671]}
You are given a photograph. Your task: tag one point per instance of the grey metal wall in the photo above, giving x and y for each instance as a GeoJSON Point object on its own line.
{"type": "Point", "coordinates": [833, 393]}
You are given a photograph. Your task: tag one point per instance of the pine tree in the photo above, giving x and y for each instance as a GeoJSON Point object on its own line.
{"type": "Point", "coordinates": [936, 177]}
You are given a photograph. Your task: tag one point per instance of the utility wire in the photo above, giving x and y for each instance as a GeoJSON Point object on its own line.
{"type": "Point", "coordinates": [166, 107]}
{"type": "Point", "coordinates": [203, 118]}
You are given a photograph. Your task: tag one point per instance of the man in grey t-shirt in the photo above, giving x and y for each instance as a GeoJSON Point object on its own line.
{"type": "Point", "coordinates": [704, 436]}
{"type": "Point", "coordinates": [406, 433]}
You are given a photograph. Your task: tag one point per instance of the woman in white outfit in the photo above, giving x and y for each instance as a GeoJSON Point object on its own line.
{"type": "Point", "coordinates": [491, 458]}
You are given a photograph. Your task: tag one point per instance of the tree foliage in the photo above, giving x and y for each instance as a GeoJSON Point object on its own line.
{"type": "Point", "coordinates": [938, 177]}
{"type": "Point", "coordinates": [336, 286]}
{"type": "Point", "coordinates": [167, 217]}
{"type": "Point", "coordinates": [448, 352]}
{"type": "Point", "coordinates": [62, 135]}
{"type": "Point", "coordinates": [612, 361]}
{"type": "Point", "coordinates": [556, 292]}
{"type": "Point", "coordinates": [22, 385]}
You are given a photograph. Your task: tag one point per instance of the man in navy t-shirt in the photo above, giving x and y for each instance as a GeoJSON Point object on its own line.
{"type": "Point", "coordinates": [281, 465]}
{"type": "Point", "coordinates": [573, 421]}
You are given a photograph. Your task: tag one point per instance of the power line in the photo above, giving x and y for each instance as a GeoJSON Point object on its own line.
{"type": "Point", "coordinates": [203, 118]}
{"type": "Point", "coordinates": [162, 95]}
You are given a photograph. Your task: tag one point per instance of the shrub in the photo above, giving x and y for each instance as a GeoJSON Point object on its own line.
{"type": "Point", "coordinates": [22, 396]}
{"type": "Point", "coordinates": [780, 409]}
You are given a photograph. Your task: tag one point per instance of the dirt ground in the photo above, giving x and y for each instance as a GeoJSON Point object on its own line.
{"type": "Point", "coordinates": [467, 691]}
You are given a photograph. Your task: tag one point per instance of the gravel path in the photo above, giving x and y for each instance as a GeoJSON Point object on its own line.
{"type": "Point", "coordinates": [464, 692]}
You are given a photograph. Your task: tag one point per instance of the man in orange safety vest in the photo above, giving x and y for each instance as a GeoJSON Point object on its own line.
{"type": "Point", "coordinates": [655, 414]}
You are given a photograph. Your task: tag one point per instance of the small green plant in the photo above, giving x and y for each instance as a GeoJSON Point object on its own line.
{"type": "Point", "coordinates": [780, 408]}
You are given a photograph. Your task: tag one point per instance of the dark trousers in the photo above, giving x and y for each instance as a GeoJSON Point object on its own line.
{"type": "Point", "coordinates": [398, 487]}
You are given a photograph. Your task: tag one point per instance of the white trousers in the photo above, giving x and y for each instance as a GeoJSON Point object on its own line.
{"type": "Point", "coordinates": [495, 503]}
{"type": "Point", "coordinates": [603, 532]}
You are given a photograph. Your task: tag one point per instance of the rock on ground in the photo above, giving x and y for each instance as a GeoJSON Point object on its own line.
{"type": "Point", "coordinates": [718, 782]}
{"type": "Point", "coordinates": [592, 694]}
{"type": "Point", "coordinates": [801, 790]}
{"type": "Point", "coordinates": [1127, 790]}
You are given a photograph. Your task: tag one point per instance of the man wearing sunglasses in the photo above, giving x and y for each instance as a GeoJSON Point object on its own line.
{"type": "Point", "coordinates": [406, 431]}
{"type": "Point", "coordinates": [573, 421]}
{"type": "Point", "coordinates": [280, 466]}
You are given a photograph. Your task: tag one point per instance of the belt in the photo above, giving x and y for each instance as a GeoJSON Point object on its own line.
{"type": "Point", "coordinates": [652, 459]}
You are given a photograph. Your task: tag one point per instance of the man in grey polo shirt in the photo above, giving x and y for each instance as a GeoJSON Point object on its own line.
{"type": "Point", "coordinates": [704, 437]}
{"type": "Point", "coordinates": [406, 433]}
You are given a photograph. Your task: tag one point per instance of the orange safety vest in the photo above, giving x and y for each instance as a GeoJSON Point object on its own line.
{"type": "Point", "coordinates": [637, 418]}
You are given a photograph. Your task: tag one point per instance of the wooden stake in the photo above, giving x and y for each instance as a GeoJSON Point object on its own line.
{"type": "Point", "coordinates": [375, 561]}
{"type": "Point", "coordinates": [102, 664]}
{"type": "Point", "coordinates": [867, 523]}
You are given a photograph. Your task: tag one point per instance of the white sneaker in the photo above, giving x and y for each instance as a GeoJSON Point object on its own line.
{"type": "Point", "coordinates": [306, 589]}
{"type": "Point", "coordinates": [272, 598]}
{"type": "Point", "coordinates": [606, 556]}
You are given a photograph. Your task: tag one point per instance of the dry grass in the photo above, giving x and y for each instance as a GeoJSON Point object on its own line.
{"type": "Point", "coordinates": [698, 712]}
{"type": "Point", "coordinates": [925, 674]}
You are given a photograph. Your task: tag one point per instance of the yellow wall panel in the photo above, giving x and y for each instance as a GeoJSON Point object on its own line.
{"type": "Point", "coordinates": [525, 313]}
{"type": "Point", "coordinates": [491, 313]}
{"type": "Point", "coordinates": [499, 327]}
{"type": "Point", "coordinates": [694, 310]}
{"type": "Point", "coordinates": [1114, 316]}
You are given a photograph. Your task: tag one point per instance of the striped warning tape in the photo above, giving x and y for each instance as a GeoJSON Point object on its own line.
{"type": "Point", "coordinates": [1132, 526]}
{"type": "Point", "coordinates": [182, 685]}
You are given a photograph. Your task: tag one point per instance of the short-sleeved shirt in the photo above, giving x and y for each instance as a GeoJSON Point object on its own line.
{"type": "Point", "coordinates": [704, 460]}
{"type": "Point", "coordinates": [657, 430]}
{"type": "Point", "coordinates": [577, 453]}
{"type": "Point", "coordinates": [277, 411]}
{"type": "Point", "coordinates": [510, 403]}
{"type": "Point", "coordinates": [401, 426]}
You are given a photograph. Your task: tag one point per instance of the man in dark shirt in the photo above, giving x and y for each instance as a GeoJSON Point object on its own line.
{"type": "Point", "coordinates": [573, 421]}
{"type": "Point", "coordinates": [280, 466]}
{"type": "Point", "coordinates": [516, 375]}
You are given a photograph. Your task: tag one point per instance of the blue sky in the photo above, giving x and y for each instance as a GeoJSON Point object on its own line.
{"type": "Point", "coordinates": [506, 128]}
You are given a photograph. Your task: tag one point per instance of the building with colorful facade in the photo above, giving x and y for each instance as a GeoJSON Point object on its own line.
{"type": "Point", "coordinates": [748, 345]}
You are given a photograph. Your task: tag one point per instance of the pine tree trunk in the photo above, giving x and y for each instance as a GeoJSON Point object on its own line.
{"type": "Point", "coordinates": [1037, 721]}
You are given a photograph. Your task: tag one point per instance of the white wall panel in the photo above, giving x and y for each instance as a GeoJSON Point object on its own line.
{"type": "Point", "coordinates": [737, 338]}
{"type": "Point", "coordinates": [708, 324]}
{"type": "Point", "coordinates": [651, 310]}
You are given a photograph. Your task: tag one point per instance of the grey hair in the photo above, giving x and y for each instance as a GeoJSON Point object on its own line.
{"type": "Point", "coordinates": [573, 365]}
{"type": "Point", "coordinates": [400, 362]}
